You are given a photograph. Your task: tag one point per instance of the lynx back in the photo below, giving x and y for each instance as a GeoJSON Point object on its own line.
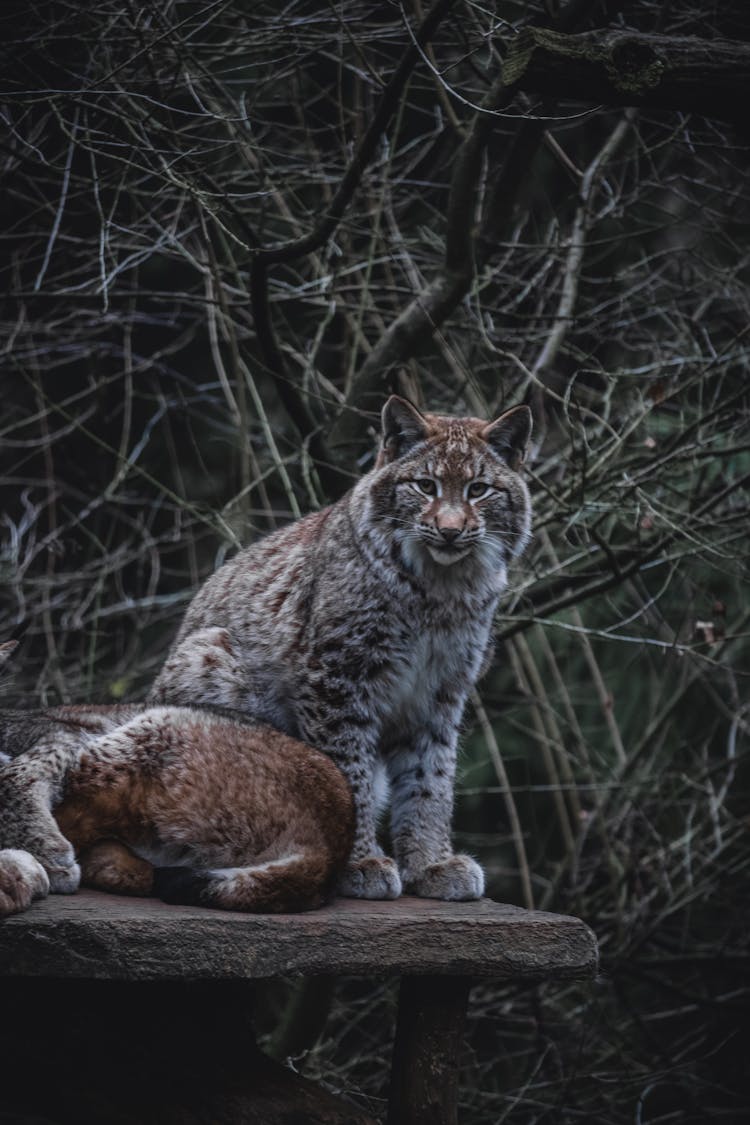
{"type": "Point", "coordinates": [191, 805]}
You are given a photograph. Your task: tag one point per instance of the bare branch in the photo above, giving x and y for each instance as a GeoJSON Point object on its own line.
{"type": "Point", "coordinates": [627, 68]}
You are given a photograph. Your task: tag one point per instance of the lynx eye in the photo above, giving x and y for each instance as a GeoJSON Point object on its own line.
{"type": "Point", "coordinates": [426, 486]}
{"type": "Point", "coordinates": [478, 489]}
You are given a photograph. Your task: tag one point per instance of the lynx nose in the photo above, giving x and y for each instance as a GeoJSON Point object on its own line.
{"type": "Point", "coordinates": [450, 534]}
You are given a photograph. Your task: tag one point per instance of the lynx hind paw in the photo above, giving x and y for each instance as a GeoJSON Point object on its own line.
{"type": "Point", "coordinates": [458, 879]}
{"type": "Point", "coordinates": [22, 880]}
{"type": "Point", "coordinates": [111, 866]}
{"type": "Point", "coordinates": [371, 877]}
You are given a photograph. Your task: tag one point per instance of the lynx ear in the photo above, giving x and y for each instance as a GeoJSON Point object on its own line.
{"type": "Point", "coordinates": [7, 648]}
{"type": "Point", "coordinates": [509, 435]}
{"type": "Point", "coordinates": [403, 427]}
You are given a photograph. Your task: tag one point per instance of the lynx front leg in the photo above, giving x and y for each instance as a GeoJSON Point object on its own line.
{"type": "Point", "coordinates": [422, 773]}
{"type": "Point", "coordinates": [29, 786]}
{"type": "Point", "coordinates": [370, 873]}
{"type": "Point", "coordinates": [350, 739]}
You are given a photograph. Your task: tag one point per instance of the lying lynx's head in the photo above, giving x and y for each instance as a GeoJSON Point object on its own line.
{"type": "Point", "coordinates": [449, 487]}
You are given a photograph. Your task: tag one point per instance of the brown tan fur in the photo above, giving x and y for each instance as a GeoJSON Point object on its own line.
{"type": "Point", "coordinates": [193, 805]}
{"type": "Point", "coordinates": [361, 629]}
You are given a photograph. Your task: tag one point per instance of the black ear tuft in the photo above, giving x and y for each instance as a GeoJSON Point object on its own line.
{"type": "Point", "coordinates": [509, 435]}
{"type": "Point", "coordinates": [403, 427]}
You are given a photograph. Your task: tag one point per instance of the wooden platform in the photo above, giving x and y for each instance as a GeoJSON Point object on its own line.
{"type": "Point", "coordinates": [97, 936]}
{"type": "Point", "coordinates": [153, 1003]}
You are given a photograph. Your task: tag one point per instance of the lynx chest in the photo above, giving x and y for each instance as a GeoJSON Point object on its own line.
{"type": "Point", "coordinates": [434, 664]}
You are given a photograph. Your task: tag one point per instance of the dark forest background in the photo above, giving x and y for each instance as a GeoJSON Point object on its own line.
{"type": "Point", "coordinates": [227, 230]}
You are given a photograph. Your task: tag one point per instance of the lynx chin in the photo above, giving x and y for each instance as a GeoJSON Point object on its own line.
{"type": "Point", "coordinates": [361, 629]}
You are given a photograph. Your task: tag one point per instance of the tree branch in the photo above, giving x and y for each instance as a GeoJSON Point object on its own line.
{"type": "Point", "coordinates": [628, 68]}
{"type": "Point", "coordinates": [464, 248]}
{"type": "Point", "coordinates": [367, 147]}
{"type": "Point", "coordinates": [427, 311]}
{"type": "Point", "coordinates": [331, 478]}
{"type": "Point", "coordinates": [614, 67]}
{"type": "Point", "coordinates": [571, 590]}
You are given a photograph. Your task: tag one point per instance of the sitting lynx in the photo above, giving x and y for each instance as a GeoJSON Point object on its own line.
{"type": "Point", "coordinates": [361, 629]}
{"type": "Point", "coordinates": [191, 805]}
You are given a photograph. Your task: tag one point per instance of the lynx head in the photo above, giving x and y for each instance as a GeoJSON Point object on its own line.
{"type": "Point", "coordinates": [449, 487]}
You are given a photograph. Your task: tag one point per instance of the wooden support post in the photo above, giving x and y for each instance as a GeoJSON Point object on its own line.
{"type": "Point", "coordinates": [424, 1076]}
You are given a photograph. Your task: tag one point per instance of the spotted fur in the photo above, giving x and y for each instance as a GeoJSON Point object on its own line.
{"type": "Point", "coordinates": [362, 628]}
{"type": "Point", "coordinates": [192, 805]}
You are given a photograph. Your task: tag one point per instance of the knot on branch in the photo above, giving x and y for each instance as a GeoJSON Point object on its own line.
{"type": "Point", "coordinates": [633, 66]}
{"type": "Point", "coordinates": [591, 63]}
{"type": "Point", "coordinates": [519, 55]}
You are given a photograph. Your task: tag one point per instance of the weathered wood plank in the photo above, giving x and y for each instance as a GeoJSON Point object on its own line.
{"type": "Point", "coordinates": [106, 937]}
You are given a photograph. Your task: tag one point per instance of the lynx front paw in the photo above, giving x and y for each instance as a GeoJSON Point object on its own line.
{"type": "Point", "coordinates": [61, 867]}
{"type": "Point", "coordinates": [371, 877]}
{"type": "Point", "coordinates": [22, 879]}
{"type": "Point", "coordinates": [458, 879]}
{"type": "Point", "coordinates": [64, 880]}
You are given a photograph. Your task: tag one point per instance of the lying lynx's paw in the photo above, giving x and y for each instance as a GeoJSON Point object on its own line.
{"type": "Point", "coordinates": [371, 877]}
{"type": "Point", "coordinates": [22, 879]}
{"type": "Point", "coordinates": [111, 866]}
{"type": "Point", "coordinates": [58, 858]}
{"type": "Point", "coordinates": [62, 869]}
{"type": "Point", "coordinates": [458, 879]}
{"type": "Point", "coordinates": [64, 880]}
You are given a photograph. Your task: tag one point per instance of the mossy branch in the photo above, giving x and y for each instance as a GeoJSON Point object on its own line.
{"type": "Point", "coordinates": [627, 68]}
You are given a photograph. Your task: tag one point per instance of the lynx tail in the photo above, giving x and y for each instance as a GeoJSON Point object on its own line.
{"type": "Point", "coordinates": [297, 882]}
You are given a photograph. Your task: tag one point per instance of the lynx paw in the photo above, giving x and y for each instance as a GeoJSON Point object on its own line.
{"type": "Point", "coordinates": [22, 879]}
{"type": "Point", "coordinates": [458, 879]}
{"type": "Point", "coordinates": [62, 869]}
{"type": "Point", "coordinates": [111, 866]}
{"type": "Point", "coordinates": [371, 877]}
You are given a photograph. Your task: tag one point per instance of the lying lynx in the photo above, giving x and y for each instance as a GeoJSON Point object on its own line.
{"type": "Point", "coordinates": [190, 805]}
